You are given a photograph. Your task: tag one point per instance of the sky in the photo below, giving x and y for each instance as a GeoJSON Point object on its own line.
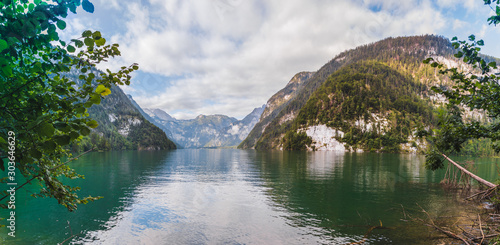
{"type": "Point", "coordinates": [230, 56]}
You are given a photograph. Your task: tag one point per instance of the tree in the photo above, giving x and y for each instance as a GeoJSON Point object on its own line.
{"type": "Point", "coordinates": [42, 110]}
{"type": "Point", "coordinates": [477, 89]}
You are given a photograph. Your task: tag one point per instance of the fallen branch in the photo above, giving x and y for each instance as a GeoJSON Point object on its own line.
{"type": "Point", "coordinates": [479, 179]}
{"type": "Point", "coordinates": [486, 236]}
{"type": "Point", "coordinates": [447, 233]}
{"type": "Point", "coordinates": [480, 228]}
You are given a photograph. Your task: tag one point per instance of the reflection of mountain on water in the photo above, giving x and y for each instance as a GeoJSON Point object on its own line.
{"type": "Point", "coordinates": [337, 195]}
{"type": "Point", "coordinates": [241, 197]}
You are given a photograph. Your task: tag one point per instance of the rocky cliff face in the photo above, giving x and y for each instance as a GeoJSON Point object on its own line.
{"type": "Point", "coordinates": [237, 131]}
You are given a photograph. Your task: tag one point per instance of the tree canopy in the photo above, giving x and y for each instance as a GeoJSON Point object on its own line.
{"type": "Point", "coordinates": [475, 89]}
{"type": "Point", "coordinates": [42, 109]}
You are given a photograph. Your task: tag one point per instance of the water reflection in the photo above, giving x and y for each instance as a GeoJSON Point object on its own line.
{"type": "Point", "coordinates": [338, 196]}
{"type": "Point", "coordinates": [241, 197]}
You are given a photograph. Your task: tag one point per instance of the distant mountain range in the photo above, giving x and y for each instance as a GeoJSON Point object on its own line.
{"type": "Point", "coordinates": [211, 131]}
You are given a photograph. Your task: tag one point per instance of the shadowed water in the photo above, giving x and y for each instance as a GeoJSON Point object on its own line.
{"type": "Point", "coordinates": [241, 197]}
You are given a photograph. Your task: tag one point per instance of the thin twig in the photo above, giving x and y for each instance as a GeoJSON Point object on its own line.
{"type": "Point", "coordinates": [403, 210]}
{"type": "Point", "coordinates": [480, 228]}
{"type": "Point", "coordinates": [447, 233]}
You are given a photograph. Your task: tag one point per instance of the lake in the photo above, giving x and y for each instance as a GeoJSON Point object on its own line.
{"type": "Point", "coordinates": [228, 196]}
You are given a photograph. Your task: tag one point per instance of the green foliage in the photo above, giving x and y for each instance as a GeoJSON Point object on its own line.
{"type": "Point", "coordinates": [39, 102]}
{"type": "Point", "coordinates": [494, 19]}
{"type": "Point", "coordinates": [477, 91]}
{"type": "Point", "coordinates": [356, 91]}
{"type": "Point", "coordinates": [434, 160]}
{"type": "Point", "coordinates": [296, 141]}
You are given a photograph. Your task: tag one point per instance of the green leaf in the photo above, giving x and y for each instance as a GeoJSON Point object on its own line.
{"type": "Point", "coordinates": [96, 35]}
{"type": "Point", "coordinates": [66, 59]}
{"type": "Point", "coordinates": [85, 131]}
{"type": "Point", "coordinates": [78, 43]}
{"type": "Point", "coordinates": [2, 140]}
{"type": "Point", "coordinates": [7, 71]}
{"type": "Point", "coordinates": [20, 9]}
{"type": "Point", "coordinates": [88, 6]}
{"type": "Point", "coordinates": [472, 38]}
{"type": "Point", "coordinates": [74, 135]}
{"type": "Point", "coordinates": [454, 39]}
{"type": "Point", "coordinates": [135, 67]}
{"type": "Point", "coordinates": [49, 146]}
{"type": "Point", "coordinates": [88, 104]}
{"type": "Point", "coordinates": [36, 153]}
{"type": "Point", "coordinates": [95, 99]}
{"type": "Point", "coordinates": [71, 49]}
{"type": "Point", "coordinates": [492, 64]}
{"type": "Point", "coordinates": [46, 129]}
{"type": "Point", "coordinates": [92, 124]}
{"type": "Point", "coordinates": [106, 92]}
{"type": "Point", "coordinates": [100, 42]}
{"type": "Point", "coordinates": [89, 41]}
{"type": "Point", "coordinates": [62, 139]}
{"type": "Point", "coordinates": [100, 88]}
{"type": "Point", "coordinates": [87, 33]}
{"type": "Point", "coordinates": [480, 43]}
{"type": "Point", "coordinates": [61, 24]}
{"type": "Point", "coordinates": [3, 45]}
{"type": "Point", "coordinates": [80, 110]}
{"type": "Point", "coordinates": [60, 125]}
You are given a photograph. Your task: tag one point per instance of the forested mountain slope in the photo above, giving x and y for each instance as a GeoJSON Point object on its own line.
{"type": "Point", "coordinates": [121, 126]}
{"type": "Point", "coordinates": [365, 106]}
{"type": "Point", "coordinates": [401, 55]}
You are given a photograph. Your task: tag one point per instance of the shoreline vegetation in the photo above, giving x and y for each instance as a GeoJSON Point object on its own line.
{"type": "Point", "coordinates": [480, 224]}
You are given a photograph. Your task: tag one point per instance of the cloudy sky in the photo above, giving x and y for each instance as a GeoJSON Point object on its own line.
{"type": "Point", "coordinates": [229, 56]}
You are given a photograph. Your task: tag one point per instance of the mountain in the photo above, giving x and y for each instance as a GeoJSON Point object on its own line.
{"type": "Point", "coordinates": [367, 93]}
{"type": "Point", "coordinates": [121, 126]}
{"type": "Point", "coordinates": [161, 115]}
{"type": "Point", "coordinates": [366, 106]}
{"type": "Point", "coordinates": [237, 131]}
{"type": "Point", "coordinates": [274, 105]}
{"type": "Point", "coordinates": [205, 131]}
{"type": "Point", "coordinates": [147, 114]}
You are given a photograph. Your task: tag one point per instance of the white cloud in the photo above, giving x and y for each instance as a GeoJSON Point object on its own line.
{"type": "Point", "coordinates": [458, 24]}
{"type": "Point", "coordinates": [482, 32]}
{"type": "Point", "coordinates": [232, 55]}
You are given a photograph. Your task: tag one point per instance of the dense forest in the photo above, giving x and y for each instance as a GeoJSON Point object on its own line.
{"type": "Point", "coordinates": [386, 78]}
{"type": "Point", "coordinates": [354, 93]}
